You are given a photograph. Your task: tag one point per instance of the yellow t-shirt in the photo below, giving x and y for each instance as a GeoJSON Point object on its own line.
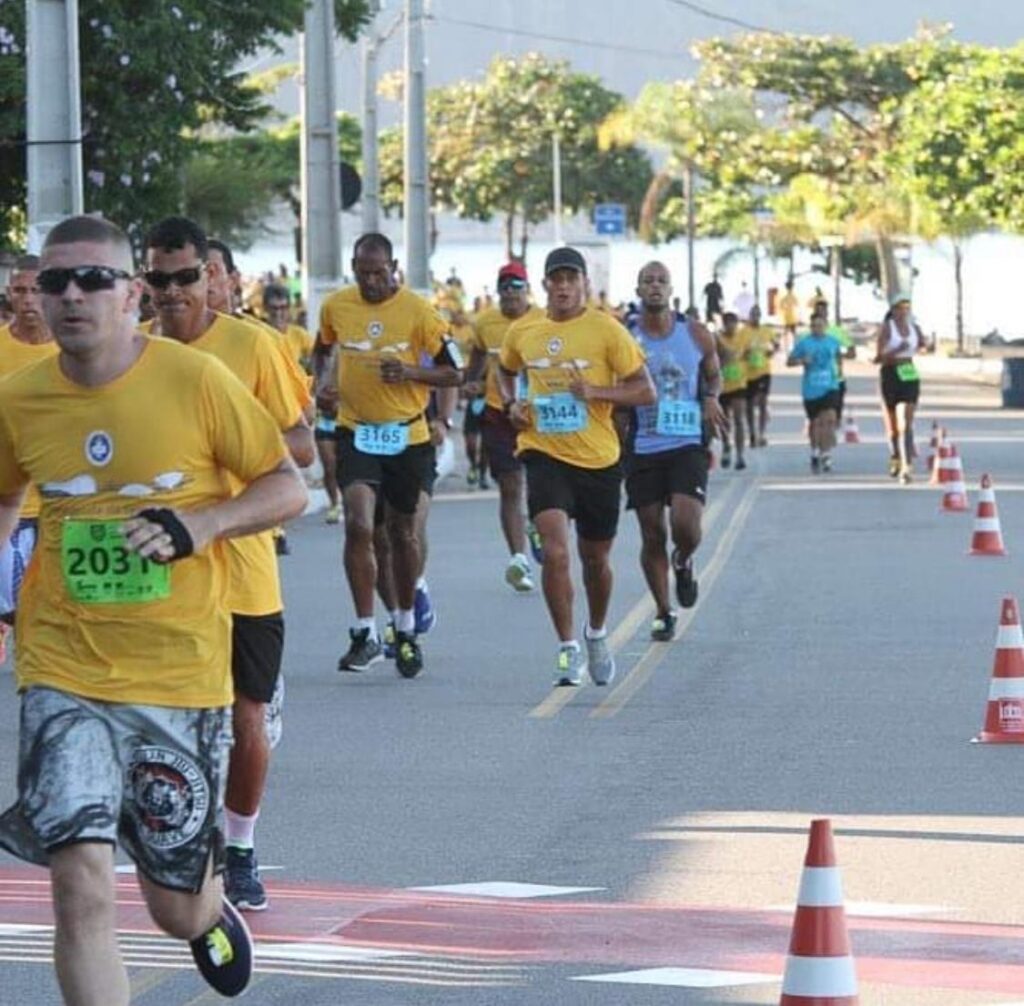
{"type": "Point", "coordinates": [404, 325]}
{"type": "Point", "coordinates": [256, 358]}
{"type": "Point", "coordinates": [760, 342]}
{"type": "Point", "coordinates": [301, 382]}
{"type": "Point", "coordinates": [789, 308]}
{"type": "Point", "coordinates": [163, 434]}
{"type": "Point", "coordinates": [14, 355]}
{"type": "Point", "coordinates": [734, 366]}
{"type": "Point", "coordinates": [489, 329]}
{"type": "Point", "coordinates": [550, 352]}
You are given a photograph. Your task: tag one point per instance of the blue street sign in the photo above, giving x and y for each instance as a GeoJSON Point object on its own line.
{"type": "Point", "coordinates": [610, 218]}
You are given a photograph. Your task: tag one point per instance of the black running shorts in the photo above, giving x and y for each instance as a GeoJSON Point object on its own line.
{"type": "Point", "coordinates": [656, 478]}
{"type": "Point", "coordinates": [499, 437]}
{"type": "Point", "coordinates": [590, 496]}
{"type": "Point", "coordinates": [400, 478]}
{"type": "Point", "coordinates": [257, 647]}
{"type": "Point", "coordinates": [760, 385]}
{"type": "Point", "coordinates": [895, 391]}
{"type": "Point", "coordinates": [814, 407]}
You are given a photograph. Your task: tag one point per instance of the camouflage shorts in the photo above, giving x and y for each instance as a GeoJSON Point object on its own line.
{"type": "Point", "coordinates": [151, 777]}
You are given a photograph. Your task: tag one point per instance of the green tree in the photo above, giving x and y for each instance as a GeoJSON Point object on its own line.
{"type": "Point", "coordinates": [151, 76]}
{"type": "Point", "coordinates": [490, 147]}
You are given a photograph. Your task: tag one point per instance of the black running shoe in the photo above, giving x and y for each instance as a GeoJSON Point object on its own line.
{"type": "Point", "coordinates": [815, 464]}
{"type": "Point", "coordinates": [242, 884]}
{"type": "Point", "coordinates": [686, 582]}
{"type": "Point", "coordinates": [408, 655]}
{"type": "Point", "coordinates": [363, 652]}
{"type": "Point", "coordinates": [223, 954]}
{"type": "Point", "coordinates": [740, 464]}
{"type": "Point", "coordinates": [663, 628]}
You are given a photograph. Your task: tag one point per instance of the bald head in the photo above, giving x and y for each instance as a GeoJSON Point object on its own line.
{"type": "Point", "coordinates": [654, 287]}
{"type": "Point", "coordinates": [88, 230]}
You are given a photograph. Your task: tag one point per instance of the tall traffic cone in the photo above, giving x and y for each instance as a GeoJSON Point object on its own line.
{"type": "Point", "coordinates": [987, 538]}
{"type": "Point", "coordinates": [951, 480]}
{"type": "Point", "coordinates": [941, 453]}
{"type": "Point", "coordinates": [1004, 715]}
{"type": "Point", "coordinates": [819, 968]}
{"type": "Point", "coordinates": [933, 447]}
{"type": "Point", "coordinates": [851, 435]}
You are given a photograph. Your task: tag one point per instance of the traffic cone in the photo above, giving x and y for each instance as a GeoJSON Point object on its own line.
{"type": "Point", "coordinates": [987, 538]}
{"type": "Point", "coordinates": [819, 968]}
{"type": "Point", "coordinates": [933, 445]}
{"type": "Point", "coordinates": [1004, 715]}
{"type": "Point", "coordinates": [851, 435]}
{"type": "Point", "coordinates": [951, 479]}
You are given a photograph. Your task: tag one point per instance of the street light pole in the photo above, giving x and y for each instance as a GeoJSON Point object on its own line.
{"type": "Point", "coordinates": [54, 116]}
{"type": "Point", "coordinates": [371, 164]}
{"type": "Point", "coordinates": [417, 205]}
{"type": "Point", "coordinates": [321, 169]}
{"type": "Point", "coordinates": [689, 179]}
{"type": "Point", "coordinates": [556, 184]}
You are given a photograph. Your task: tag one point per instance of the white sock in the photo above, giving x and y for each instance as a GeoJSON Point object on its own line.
{"type": "Point", "coordinates": [520, 559]}
{"type": "Point", "coordinates": [421, 583]}
{"type": "Point", "coordinates": [367, 623]}
{"type": "Point", "coordinates": [239, 829]}
{"type": "Point", "coordinates": [569, 644]}
{"type": "Point", "coordinates": [595, 633]}
{"type": "Point", "coordinates": [405, 621]}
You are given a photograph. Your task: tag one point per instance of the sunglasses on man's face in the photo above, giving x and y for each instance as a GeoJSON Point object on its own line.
{"type": "Point", "coordinates": [160, 280]}
{"type": "Point", "coordinates": [511, 284]}
{"type": "Point", "coordinates": [88, 278]}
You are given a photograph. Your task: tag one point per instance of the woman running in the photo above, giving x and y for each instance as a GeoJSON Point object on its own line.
{"type": "Point", "coordinates": [819, 354]}
{"type": "Point", "coordinates": [899, 337]}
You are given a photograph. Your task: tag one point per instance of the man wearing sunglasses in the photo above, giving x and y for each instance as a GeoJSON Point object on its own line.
{"type": "Point", "coordinates": [24, 341]}
{"type": "Point", "coordinates": [177, 274]}
{"type": "Point", "coordinates": [499, 436]}
{"type": "Point", "coordinates": [387, 335]}
{"type": "Point", "coordinates": [124, 628]}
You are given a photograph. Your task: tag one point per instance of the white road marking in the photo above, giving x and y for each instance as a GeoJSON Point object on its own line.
{"type": "Point", "coordinates": [691, 978]}
{"type": "Point", "coordinates": [324, 953]}
{"type": "Point", "coordinates": [505, 889]}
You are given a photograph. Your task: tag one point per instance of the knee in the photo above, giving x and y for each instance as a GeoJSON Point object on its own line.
{"type": "Point", "coordinates": [556, 556]}
{"type": "Point", "coordinates": [180, 916]}
{"type": "Point", "coordinates": [402, 530]}
{"type": "Point", "coordinates": [654, 539]}
{"type": "Point", "coordinates": [83, 890]}
{"type": "Point", "coordinates": [358, 532]}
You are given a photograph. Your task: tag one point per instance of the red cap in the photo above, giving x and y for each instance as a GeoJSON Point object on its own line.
{"type": "Point", "coordinates": [514, 270]}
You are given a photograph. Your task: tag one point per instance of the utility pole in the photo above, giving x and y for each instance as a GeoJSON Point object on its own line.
{"type": "Point", "coordinates": [417, 196]}
{"type": "Point", "coordinates": [689, 180]}
{"type": "Point", "coordinates": [556, 184]}
{"type": "Point", "coordinates": [321, 169]}
{"type": "Point", "coordinates": [54, 114]}
{"type": "Point", "coordinates": [371, 162]}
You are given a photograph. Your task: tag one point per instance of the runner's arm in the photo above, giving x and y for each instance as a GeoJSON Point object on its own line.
{"type": "Point", "coordinates": [300, 443]}
{"type": "Point", "coordinates": [633, 390]}
{"type": "Point", "coordinates": [10, 508]}
{"type": "Point", "coordinates": [474, 372]}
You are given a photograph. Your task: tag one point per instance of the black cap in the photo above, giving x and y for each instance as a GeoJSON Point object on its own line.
{"type": "Point", "coordinates": [565, 258]}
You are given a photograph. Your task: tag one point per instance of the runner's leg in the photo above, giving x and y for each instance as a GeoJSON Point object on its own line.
{"type": "Point", "coordinates": [553, 526]}
{"type": "Point", "coordinates": [360, 562]}
{"type": "Point", "coordinates": [654, 554]}
{"type": "Point", "coordinates": [597, 578]}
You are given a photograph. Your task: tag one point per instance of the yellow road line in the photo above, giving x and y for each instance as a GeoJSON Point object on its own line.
{"type": "Point", "coordinates": [645, 667]}
{"type": "Point", "coordinates": [559, 697]}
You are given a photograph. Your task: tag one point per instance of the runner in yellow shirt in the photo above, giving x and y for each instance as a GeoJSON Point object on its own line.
{"type": "Point", "coordinates": [393, 348]}
{"type": "Point", "coordinates": [124, 632]}
{"type": "Point", "coordinates": [789, 310]}
{"type": "Point", "coordinates": [762, 345]}
{"type": "Point", "coordinates": [296, 339]}
{"type": "Point", "coordinates": [177, 275]}
{"type": "Point", "coordinates": [499, 436]}
{"type": "Point", "coordinates": [578, 364]}
{"type": "Point", "coordinates": [733, 345]}
{"type": "Point", "coordinates": [22, 342]}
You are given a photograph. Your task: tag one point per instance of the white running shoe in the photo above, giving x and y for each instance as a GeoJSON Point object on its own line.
{"type": "Point", "coordinates": [517, 574]}
{"type": "Point", "coordinates": [569, 666]}
{"type": "Point", "coordinates": [600, 662]}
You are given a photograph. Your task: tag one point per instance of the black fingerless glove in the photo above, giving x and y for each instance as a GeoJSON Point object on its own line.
{"type": "Point", "coordinates": [181, 540]}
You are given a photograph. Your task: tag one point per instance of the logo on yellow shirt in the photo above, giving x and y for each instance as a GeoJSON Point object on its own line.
{"type": "Point", "coordinates": [375, 329]}
{"type": "Point", "coordinates": [99, 448]}
{"type": "Point", "coordinates": [555, 347]}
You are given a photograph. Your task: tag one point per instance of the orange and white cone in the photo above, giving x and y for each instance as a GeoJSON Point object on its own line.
{"type": "Point", "coordinates": [1004, 715]}
{"type": "Point", "coordinates": [933, 447]}
{"type": "Point", "coordinates": [987, 538]}
{"type": "Point", "coordinates": [851, 435]}
{"type": "Point", "coordinates": [951, 479]}
{"type": "Point", "coordinates": [820, 969]}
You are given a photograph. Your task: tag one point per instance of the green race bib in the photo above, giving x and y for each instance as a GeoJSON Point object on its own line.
{"type": "Point", "coordinates": [907, 372]}
{"type": "Point", "coordinates": [99, 569]}
{"type": "Point", "coordinates": [732, 373]}
{"type": "Point", "coordinates": [757, 359]}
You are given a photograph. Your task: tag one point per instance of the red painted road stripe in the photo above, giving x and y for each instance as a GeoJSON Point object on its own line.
{"type": "Point", "coordinates": [915, 953]}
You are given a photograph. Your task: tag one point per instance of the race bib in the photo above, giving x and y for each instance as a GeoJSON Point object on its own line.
{"type": "Point", "coordinates": [678, 419]}
{"type": "Point", "coordinates": [477, 405]}
{"type": "Point", "coordinates": [99, 569]}
{"type": "Point", "coordinates": [732, 373]}
{"type": "Point", "coordinates": [382, 438]}
{"type": "Point", "coordinates": [820, 380]}
{"type": "Point", "coordinates": [757, 359]}
{"type": "Point", "coordinates": [907, 371]}
{"type": "Point", "coordinates": [560, 413]}
{"type": "Point", "coordinates": [325, 424]}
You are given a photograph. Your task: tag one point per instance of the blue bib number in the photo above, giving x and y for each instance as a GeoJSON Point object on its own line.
{"type": "Point", "coordinates": [678, 419]}
{"type": "Point", "coordinates": [560, 413]}
{"type": "Point", "coordinates": [325, 424]}
{"type": "Point", "coordinates": [476, 406]}
{"type": "Point", "coordinates": [820, 380]}
{"type": "Point", "coordinates": [382, 438]}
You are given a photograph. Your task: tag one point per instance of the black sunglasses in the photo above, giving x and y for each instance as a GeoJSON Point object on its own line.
{"type": "Point", "coordinates": [512, 284]}
{"type": "Point", "coordinates": [88, 278]}
{"type": "Point", "coordinates": [160, 280]}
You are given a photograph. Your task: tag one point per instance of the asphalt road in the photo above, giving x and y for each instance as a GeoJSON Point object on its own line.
{"type": "Point", "coordinates": [837, 664]}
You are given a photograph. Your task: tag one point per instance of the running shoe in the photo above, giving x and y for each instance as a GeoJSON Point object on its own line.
{"type": "Point", "coordinates": [364, 651]}
{"type": "Point", "coordinates": [826, 462]}
{"type": "Point", "coordinates": [740, 464]}
{"type": "Point", "coordinates": [536, 543]}
{"type": "Point", "coordinates": [815, 464]}
{"type": "Point", "coordinates": [600, 662]}
{"type": "Point", "coordinates": [894, 467]}
{"type": "Point", "coordinates": [471, 476]}
{"type": "Point", "coordinates": [484, 484]}
{"type": "Point", "coordinates": [726, 459]}
{"type": "Point", "coordinates": [389, 640]}
{"type": "Point", "coordinates": [424, 612]}
{"type": "Point", "coordinates": [762, 442]}
{"type": "Point", "coordinates": [569, 666]}
{"type": "Point", "coordinates": [686, 582]}
{"type": "Point", "coordinates": [517, 574]}
{"type": "Point", "coordinates": [663, 628]}
{"type": "Point", "coordinates": [333, 515]}
{"type": "Point", "coordinates": [906, 476]}
{"type": "Point", "coordinates": [408, 655]}
{"type": "Point", "coordinates": [223, 954]}
{"type": "Point", "coordinates": [242, 884]}
{"type": "Point", "coordinates": [273, 720]}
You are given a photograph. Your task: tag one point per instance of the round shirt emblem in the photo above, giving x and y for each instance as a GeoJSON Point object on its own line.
{"type": "Point", "coordinates": [554, 347]}
{"type": "Point", "coordinates": [99, 448]}
{"type": "Point", "coordinates": [375, 329]}
{"type": "Point", "coordinates": [170, 797]}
